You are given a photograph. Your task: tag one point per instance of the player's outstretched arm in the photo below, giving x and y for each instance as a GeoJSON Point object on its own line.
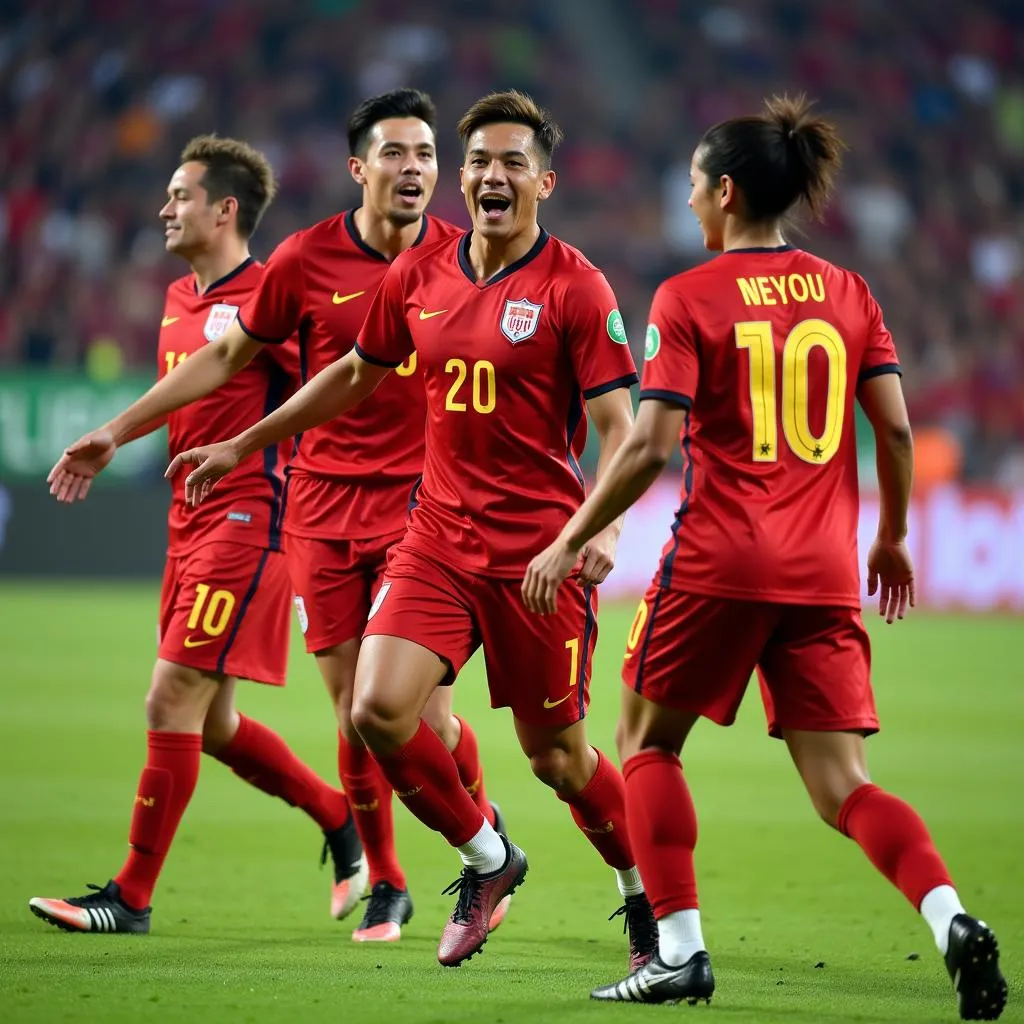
{"type": "Point", "coordinates": [342, 385]}
{"type": "Point", "coordinates": [634, 467]}
{"type": "Point", "coordinates": [203, 372]}
{"type": "Point", "coordinates": [890, 569]}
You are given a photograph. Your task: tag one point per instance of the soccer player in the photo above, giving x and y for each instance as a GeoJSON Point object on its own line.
{"type": "Point", "coordinates": [349, 482]}
{"type": "Point", "coordinates": [226, 599]}
{"type": "Point", "coordinates": [515, 332]}
{"type": "Point", "coordinates": [754, 360]}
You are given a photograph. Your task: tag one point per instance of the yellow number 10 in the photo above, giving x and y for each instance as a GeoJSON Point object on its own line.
{"type": "Point", "coordinates": [756, 338]}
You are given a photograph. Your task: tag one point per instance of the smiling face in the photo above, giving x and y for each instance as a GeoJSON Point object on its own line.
{"type": "Point", "coordinates": [504, 178]}
{"type": "Point", "coordinates": [707, 201]}
{"type": "Point", "coordinates": [191, 220]}
{"type": "Point", "coordinates": [399, 171]}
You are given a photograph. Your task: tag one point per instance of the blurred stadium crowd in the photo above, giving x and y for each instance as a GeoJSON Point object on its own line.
{"type": "Point", "coordinates": [97, 98]}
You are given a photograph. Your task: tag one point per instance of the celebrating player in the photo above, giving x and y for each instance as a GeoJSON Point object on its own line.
{"type": "Point", "coordinates": [349, 482]}
{"type": "Point", "coordinates": [226, 600]}
{"type": "Point", "coordinates": [514, 331]}
{"type": "Point", "coordinates": [754, 360]}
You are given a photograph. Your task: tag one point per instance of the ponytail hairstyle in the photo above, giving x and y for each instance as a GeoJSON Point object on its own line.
{"type": "Point", "coordinates": [778, 158]}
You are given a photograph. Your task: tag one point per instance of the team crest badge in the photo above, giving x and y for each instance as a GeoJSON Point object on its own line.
{"type": "Point", "coordinates": [220, 319]}
{"type": "Point", "coordinates": [520, 319]}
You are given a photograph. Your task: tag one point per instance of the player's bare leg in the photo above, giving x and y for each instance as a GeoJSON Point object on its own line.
{"type": "Point", "coordinates": [581, 776]}
{"type": "Point", "coordinates": [650, 738]}
{"type": "Point", "coordinates": [833, 766]}
{"type": "Point", "coordinates": [394, 680]}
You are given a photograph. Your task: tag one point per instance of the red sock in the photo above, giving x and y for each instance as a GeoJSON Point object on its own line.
{"type": "Point", "coordinates": [423, 776]}
{"type": "Point", "coordinates": [258, 755]}
{"type": "Point", "coordinates": [599, 809]}
{"type": "Point", "coordinates": [663, 827]}
{"type": "Point", "coordinates": [895, 839]}
{"type": "Point", "coordinates": [165, 788]}
{"type": "Point", "coordinates": [369, 795]}
{"type": "Point", "coordinates": [471, 773]}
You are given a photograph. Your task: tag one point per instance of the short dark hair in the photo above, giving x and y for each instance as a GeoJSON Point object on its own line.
{"type": "Point", "coordinates": [397, 103]}
{"type": "Point", "coordinates": [777, 158]}
{"type": "Point", "coordinates": [234, 168]}
{"type": "Point", "coordinates": [513, 107]}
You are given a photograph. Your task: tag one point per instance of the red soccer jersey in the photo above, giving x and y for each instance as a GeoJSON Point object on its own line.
{"type": "Point", "coordinates": [507, 365]}
{"type": "Point", "coordinates": [350, 478]}
{"type": "Point", "coordinates": [247, 506]}
{"type": "Point", "coordinates": [765, 348]}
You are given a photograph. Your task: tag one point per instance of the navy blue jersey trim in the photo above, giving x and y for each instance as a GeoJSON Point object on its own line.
{"type": "Point", "coordinates": [501, 275]}
{"type": "Point", "coordinates": [357, 239]}
{"type": "Point", "coordinates": [242, 609]}
{"type": "Point", "coordinates": [602, 389]}
{"type": "Point", "coordinates": [589, 625]}
{"type": "Point", "coordinates": [276, 388]}
{"type": "Point", "coordinates": [259, 337]}
{"type": "Point", "coordinates": [373, 360]}
{"type": "Point", "coordinates": [648, 633]}
{"type": "Point", "coordinates": [761, 248]}
{"type": "Point", "coordinates": [413, 499]}
{"type": "Point", "coordinates": [223, 280]}
{"type": "Point", "coordinates": [675, 397]}
{"type": "Point", "coordinates": [877, 371]}
{"type": "Point", "coordinates": [665, 579]}
{"type": "Point", "coordinates": [572, 423]}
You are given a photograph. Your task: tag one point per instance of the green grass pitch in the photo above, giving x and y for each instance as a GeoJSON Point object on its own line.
{"type": "Point", "coordinates": [799, 925]}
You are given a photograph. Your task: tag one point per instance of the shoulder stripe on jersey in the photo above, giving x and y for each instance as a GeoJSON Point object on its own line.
{"type": "Point", "coordinates": [613, 385]}
{"type": "Point", "coordinates": [501, 275]}
{"type": "Point", "coordinates": [259, 337]}
{"type": "Point", "coordinates": [877, 371]}
{"type": "Point", "coordinates": [668, 561]}
{"type": "Point", "coordinates": [588, 632]}
{"type": "Point", "coordinates": [373, 360]}
{"type": "Point", "coordinates": [242, 609]}
{"type": "Point", "coordinates": [675, 397]}
{"type": "Point", "coordinates": [223, 280]}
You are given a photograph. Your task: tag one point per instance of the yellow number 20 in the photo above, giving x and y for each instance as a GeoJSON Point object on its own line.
{"type": "Point", "coordinates": [756, 338]}
{"type": "Point", "coordinates": [484, 389]}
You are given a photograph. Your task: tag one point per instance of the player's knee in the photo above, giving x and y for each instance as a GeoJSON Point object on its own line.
{"type": "Point", "coordinates": [176, 701]}
{"type": "Point", "coordinates": [554, 767]}
{"type": "Point", "coordinates": [443, 723]}
{"type": "Point", "coordinates": [218, 730]}
{"type": "Point", "coordinates": [375, 720]}
{"type": "Point", "coordinates": [828, 797]}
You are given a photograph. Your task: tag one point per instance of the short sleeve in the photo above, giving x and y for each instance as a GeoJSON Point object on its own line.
{"type": "Point", "coordinates": [671, 365]}
{"type": "Point", "coordinates": [595, 336]}
{"type": "Point", "coordinates": [879, 350]}
{"type": "Point", "coordinates": [385, 338]}
{"type": "Point", "coordinates": [274, 310]}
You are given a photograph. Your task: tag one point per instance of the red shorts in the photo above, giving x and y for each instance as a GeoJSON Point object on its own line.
{"type": "Point", "coordinates": [697, 653]}
{"type": "Point", "coordinates": [537, 665]}
{"type": "Point", "coordinates": [334, 582]}
{"type": "Point", "coordinates": [225, 608]}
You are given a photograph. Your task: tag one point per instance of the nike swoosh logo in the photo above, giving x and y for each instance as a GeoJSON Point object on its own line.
{"type": "Point", "coordinates": [168, 320]}
{"type": "Point", "coordinates": [189, 642]}
{"type": "Point", "coordinates": [548, 703]}
{"type": "Point", "coordinates": [339, 299]}
{"type": "Point", "coordinates": [424, 315]}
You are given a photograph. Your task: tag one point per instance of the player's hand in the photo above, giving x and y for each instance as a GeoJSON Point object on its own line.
{"type": "Point", "coordinates": [891, 574]}
{"type": "Point", "coordinates": [598, 556]}
{"type": "Point", "coordinates": [73, 473]}
{"type": "Point", "coordinates": [213, 461]}
{"type": "Point", "coordinates": [545, 574]}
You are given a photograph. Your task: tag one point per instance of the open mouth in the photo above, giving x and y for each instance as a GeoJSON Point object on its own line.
{"type": "Point", "coordinates": [494, 206]}
{"type": "Point", "coordinates": [410, 192]}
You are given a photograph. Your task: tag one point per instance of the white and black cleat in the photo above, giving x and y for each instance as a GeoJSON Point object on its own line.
{"type": "Point", "coordinates": [656, 982]}
{"type": "Point", "coordinates": [101, 911]}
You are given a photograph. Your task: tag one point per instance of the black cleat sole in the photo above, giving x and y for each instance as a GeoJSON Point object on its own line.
{"type": "Point", "coordinates": [981, 989]}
